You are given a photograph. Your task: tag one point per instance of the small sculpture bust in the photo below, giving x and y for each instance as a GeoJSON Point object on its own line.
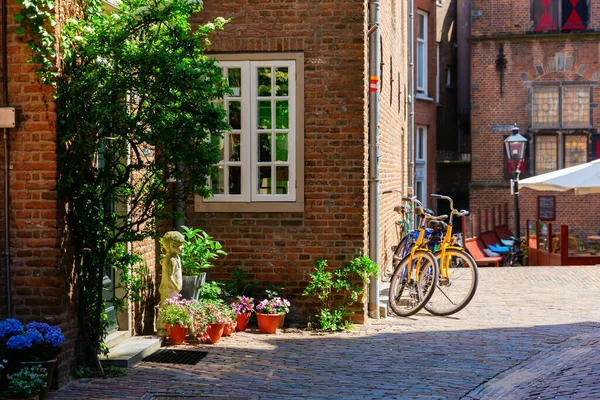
{"type": "Point", "coordinates": [171, 281]}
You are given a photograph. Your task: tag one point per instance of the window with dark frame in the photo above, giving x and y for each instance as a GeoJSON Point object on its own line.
{"type": "Point", "coordinates": [559, 15]}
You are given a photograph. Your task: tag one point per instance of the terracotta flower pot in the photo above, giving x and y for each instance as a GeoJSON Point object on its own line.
{"type": "Point", "coordinates": [242, 321]}
{"type": "Point", "coordinates": [281, 320]}
{"type": "Point", "coordinates": [268, 323]}
{"type": "Point", "coordinates": [229, 329]}
{"type": "Point", "coordinates": [177, 333]}
{"type": "Point", "coordinates": [215, 331]}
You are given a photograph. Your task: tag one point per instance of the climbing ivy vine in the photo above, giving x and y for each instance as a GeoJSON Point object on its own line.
{"type": "Point", "coordinates": [135, 103]}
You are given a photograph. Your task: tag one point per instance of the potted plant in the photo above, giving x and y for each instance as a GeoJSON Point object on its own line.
{"type": "Point", "coordinates": [268, 313]}
{"type": "Point", "coordinates": [177, 315]}
{"type": "Point", "coordinates": [230, 322]}
{"type": "Point", "coordinates": [199, 250]}
{"type": "Point", "coordinates": [272, 293]}
{"type": "Point", "coordinates": [36, 344]}
{"type": "Point", "coordinates": [26, 383]}
{"type": "Point", "coordinates": [242, 307]}
{"type": "Point", "coordinates": [210, 317]}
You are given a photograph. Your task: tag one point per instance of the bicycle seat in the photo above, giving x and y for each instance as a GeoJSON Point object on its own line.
{"type": "Point", "coordinates": [430, 217]}
{"type": "Point", "coordinates": [420, 211]}
{"type": "Point", "coordinates": [400, 209]}
{"type": "Point", "coordinates": [435, 224]}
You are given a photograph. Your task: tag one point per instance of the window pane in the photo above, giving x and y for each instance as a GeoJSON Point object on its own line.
{"type": "Point", "coordinates": [281, 81]}
{"type": "Point", "coordinates": [420, 152]}
{"type": "Point", "coordinates": [546, 154]}
{"type": "Point", "coordinates": [420, 66]}
{"type": "Point", "coordinates": [264, 180]}
{"type": "Point", "coordinates": [575, 150]}
{"type": "Point", "coordinates": [545, 107]}
{"type": "Point", "coordinates": [419, 191]}
{"type": "Point", "coordinates": [421, 26]}
{"type": "Point", "coordinates": [234, 147]}
{"type": "Point", "coordinates": [235, 114]}
{"type": "Point", "coordinates": [281, 140]}
{"type": "Point", "coordinates": [235, 180]}
{"type": "Point", "coordinates": [218, 182]}
{"type": "Point", "coordinates": [574, 15]}
{"type": "Point", "coordinates": [264, 147]}
{"type": "Point", "coordinates": [283, 180]}
{"type": "Point", "coordinates": [264, 81]}
{"type": "Point", "coordinates": [217, 140]}
{"type": "Point", "coordinates": [235, 81]}
{"type": "Point", "coordinates": [544, 15]}
{"type": "Point", "coordinates": [281, 114]}
{"type": "Point", "coordinates": [576, 106]}
{"type": "Point", "coordinates": [264, 114]}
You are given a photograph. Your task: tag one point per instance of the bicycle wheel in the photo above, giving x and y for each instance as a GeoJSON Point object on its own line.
{"type": "Point", "coordinates": [407, 295]}
{"type": "Point", "coordinates": [454, 292]}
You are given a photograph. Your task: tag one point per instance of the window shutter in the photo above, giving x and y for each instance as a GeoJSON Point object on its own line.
{"type": "Point", "coordinates": [574, 15]}
{"type": "Point", "coordinates": [545, 15]}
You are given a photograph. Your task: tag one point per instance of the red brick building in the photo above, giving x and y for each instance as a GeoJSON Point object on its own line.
{"type": "Point", "coordinates": [535, 63]}
{"type": "Point", "coordinates": [294, 185]}
{"type": "Point", "coordinates": [299, 191]}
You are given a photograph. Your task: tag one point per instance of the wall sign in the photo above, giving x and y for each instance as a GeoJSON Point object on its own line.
{"type": "Point", "coordinates": [547, 208]}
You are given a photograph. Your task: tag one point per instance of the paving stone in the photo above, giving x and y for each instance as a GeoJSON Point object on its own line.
{"type": "Point", "coordinates": [528, 333]}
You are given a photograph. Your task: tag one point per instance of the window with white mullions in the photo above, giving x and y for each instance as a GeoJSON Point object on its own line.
{"type": "Point", "coordinates": [258, 154]}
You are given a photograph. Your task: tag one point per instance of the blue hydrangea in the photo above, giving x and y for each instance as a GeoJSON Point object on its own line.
{"type": "Point", "coordinates": [54, 336]}
{"type": "Point", "coordinates": [39, 326]}
{"type": "Point", "coordinates": [19, 342]}
{"type": "Point", "coordinates": [10, 327]}
{"type": "Point", "coordinates": [35, 336]}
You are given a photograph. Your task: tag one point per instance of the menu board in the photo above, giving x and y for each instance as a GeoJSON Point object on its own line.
{"type": "Point", "coordinates": [546, 208]}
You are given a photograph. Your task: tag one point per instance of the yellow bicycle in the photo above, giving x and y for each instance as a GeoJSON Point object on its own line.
{"type": "Point", "coordinates": [415, 276]}
{"type": "Point", "coordinates": [458, 274]}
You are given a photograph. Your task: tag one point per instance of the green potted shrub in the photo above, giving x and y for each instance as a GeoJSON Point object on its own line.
{"type": "Point", "coordinates": [199, 250]}
{"type": "Point", "coordinates": [27, 383]}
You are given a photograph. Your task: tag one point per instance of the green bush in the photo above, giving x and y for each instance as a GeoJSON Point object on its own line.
{"type": "Point", "coordinates": [348, 280]}
{"type": "Point", "coordinates": [199, 250]}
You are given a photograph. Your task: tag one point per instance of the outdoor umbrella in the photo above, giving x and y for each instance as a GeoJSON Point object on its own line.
{"type": "Point", "coordinates": [583, 178]}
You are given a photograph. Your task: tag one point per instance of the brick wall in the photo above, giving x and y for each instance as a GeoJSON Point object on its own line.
{"type": "Point", "coordinates": [39, 288]}
{"type": "Point", "coordinates": [425, 110]}
{"type": "Point", "coordinates": [281, 248]}
{"type": "Point", "coordinates": [529, 59]}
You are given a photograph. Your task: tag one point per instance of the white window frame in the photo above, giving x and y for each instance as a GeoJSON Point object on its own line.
{"type": "Point", "coordinates": [251, 200]}
{"type": "Point", "coordinates": [437, 72]}
{"type": "Point", "coordinates": [422, 43]}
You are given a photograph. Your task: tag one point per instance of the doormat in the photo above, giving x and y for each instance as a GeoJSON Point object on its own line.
{"type": "Point", "coordinates": [168, 356]}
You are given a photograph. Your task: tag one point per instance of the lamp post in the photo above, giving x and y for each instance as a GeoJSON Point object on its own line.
{"type": "Point", "coordinates": [515, 151]}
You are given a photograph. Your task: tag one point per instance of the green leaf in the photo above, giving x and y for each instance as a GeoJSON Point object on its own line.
{"type": "Point", "coordinates": [20, 31]}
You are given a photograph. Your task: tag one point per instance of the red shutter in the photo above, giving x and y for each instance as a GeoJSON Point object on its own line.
{"type": "Point", "coordinates": [545, 15]}
{"type": "Point", "coordinates": [574, 15]}
{"type": "Point", "coordinates": [595, 147]}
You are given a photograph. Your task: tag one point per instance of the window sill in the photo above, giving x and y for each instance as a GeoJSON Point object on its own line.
{"type": "Point", "coordinates": [201, 206]}
{"type": "Point", "coordinates": [423, 97]}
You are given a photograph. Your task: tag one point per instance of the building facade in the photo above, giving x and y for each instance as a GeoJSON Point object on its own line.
{"type": "Point", "coordinates": [535, 63]}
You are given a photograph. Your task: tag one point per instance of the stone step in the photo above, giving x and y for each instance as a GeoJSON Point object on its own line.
{"type": "Point", "coordinates": [132, 351]}
{"type": "Point", "coordinates": [116, 338]}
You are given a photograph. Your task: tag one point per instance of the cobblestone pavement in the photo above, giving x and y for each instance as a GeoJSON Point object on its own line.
{"type": "Point", "coordinates": [530, 332]}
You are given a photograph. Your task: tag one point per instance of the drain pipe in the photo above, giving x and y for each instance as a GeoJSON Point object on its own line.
{"type": "Point", "coordinates": [6, 162]}
{"type": "Point", "coordinates": [412, 176]}
{"type": "Point", "coordinates": [374, 68]}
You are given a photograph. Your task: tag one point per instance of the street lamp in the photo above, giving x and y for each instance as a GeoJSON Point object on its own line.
{"type": "Point", "coordinates": [515, 151]}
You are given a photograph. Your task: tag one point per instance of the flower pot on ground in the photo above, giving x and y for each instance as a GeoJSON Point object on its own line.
{"type": "Point", "coordinates": [242, 321]}
{"type": "Point", "coordinates": [268, 323]}
{"type": "Point", "coordinates": [228, 329]}
{"type": "Point", "coordinates": [37, 341]}
{"type": "Point", "coordinates": [207, 313]}
{"type": "Point", "coordinates": [214, 332]}
{"type": "Point", "coordinates": [48, 366]}
{"type": "Point", "coordinates": [177, 333]}
{"type": "Point", "coordinates": [269, 312]}
{"type": "Point", "coordinates": [177, 315]}
{"type": "Point", "coordinates": [199, 250]}
{"type": "Point", "coordinates": [243, 307]}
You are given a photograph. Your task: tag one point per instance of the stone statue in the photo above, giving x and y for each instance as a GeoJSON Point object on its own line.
{"type": "Point", "coordinates": [171, 281]}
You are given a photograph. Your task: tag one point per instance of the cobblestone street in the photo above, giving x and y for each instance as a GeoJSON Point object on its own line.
{"type": "Point", "coordinates": [528, 333]}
